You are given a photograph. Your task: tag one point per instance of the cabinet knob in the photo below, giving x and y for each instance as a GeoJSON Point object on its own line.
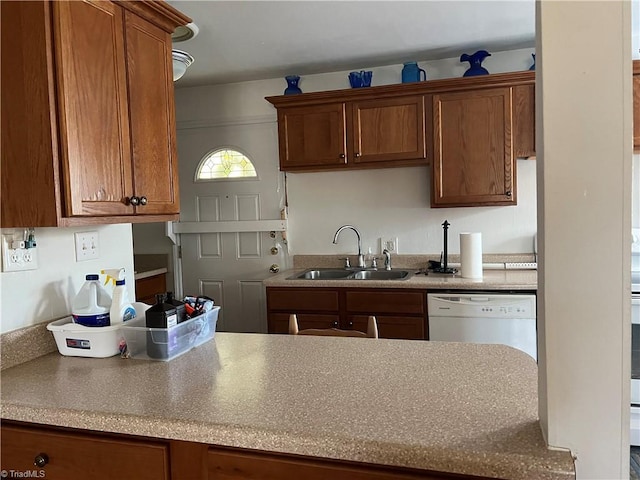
{"type": "Point", "coordinates": [357, 154]}
{"type": "Point", "coordinates": [135, 201]}
{"type": "Point", "coordinates": [335, 324]}
{"type": "Point", "coordinates": [508, 193]}
{"type": "Point", "coordinates": [143, 200]}
{"type": "Point", "coordinates": [342, 155]}
{"type": "Point", "coordinates": [41, 460]}
{"type": "Point", "coordinates": [351, 324]}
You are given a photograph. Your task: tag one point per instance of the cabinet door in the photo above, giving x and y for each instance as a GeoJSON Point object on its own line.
{"type": "Point", "coordinates": [388, 130]}
{"type": "Point", "coordinates": [75, 456]}
{"type": "Point", "coordinates": [93, 110]}
{"type": "Point", "coordinates": [312, 137]}
{"type": "Point", "coordinates": [151, 106]}
{"type": "Point", "coordinates": [473, 156]}
{"type": "Point", "coordinates": [636, 105]}
{"type": "Point", "coordinates": [524, 121]}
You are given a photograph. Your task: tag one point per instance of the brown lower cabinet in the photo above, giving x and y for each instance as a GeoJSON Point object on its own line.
{"type": "Point", "coordinates": [67, 454]}
{"type": "Point", "coordinates": [147, 288]}
{"type": "Point", "coordinates": [401, 313]}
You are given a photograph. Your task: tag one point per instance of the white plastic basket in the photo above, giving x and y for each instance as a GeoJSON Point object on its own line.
{"type": "Point", "coordinates": [76, 340]}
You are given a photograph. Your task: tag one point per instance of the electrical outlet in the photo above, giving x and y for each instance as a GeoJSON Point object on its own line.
{"type": "Point", "coordinates": [389, 243]}
{"type": "Point", "coordinates": [15, 258]}
{"type": "Point", "coordinates": [87, 246]}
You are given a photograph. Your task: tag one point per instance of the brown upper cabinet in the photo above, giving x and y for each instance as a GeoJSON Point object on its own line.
{"type": "Point", "coordinates": [473, 162]}
{"type": "Point", "coordinates": [470, 129]}
{"type": "Point", "coordinates": [362, 132]}
{"type": "Point", "coordinates": [636, 105]}
{"type": "Point", "coordinates": [88, 121]}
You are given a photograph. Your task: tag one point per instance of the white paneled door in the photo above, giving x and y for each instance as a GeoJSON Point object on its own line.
{"type": "Point", "coordinates": [229, 266]}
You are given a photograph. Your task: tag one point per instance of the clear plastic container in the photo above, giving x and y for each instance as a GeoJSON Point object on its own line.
{"type": "Point", "coordinates": [168, 343]}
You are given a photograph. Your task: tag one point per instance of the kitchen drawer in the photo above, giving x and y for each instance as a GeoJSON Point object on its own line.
{"type": "Point", "coordinates": [392, 326]}
{"type": "Point", "coordinates": [148, 288]}
{"type": "Point", "coordinates": [279, 322]}
{"type": "Point", "coordinates": [78, 456]}
{"type": "Point", "coordinates": [385, 301]}
{"type": "Point", "coordinates": [296, 300]}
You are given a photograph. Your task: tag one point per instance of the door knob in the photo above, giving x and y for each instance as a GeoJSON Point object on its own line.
{"type": "Point", "coordinates": [135, 201]}
{"type": "Point", "coordinates": [143, 200]}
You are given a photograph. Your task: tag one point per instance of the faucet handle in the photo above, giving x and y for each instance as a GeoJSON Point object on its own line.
{"type": "Point", "coordinates": [374, 262]}
{"type": "Point", "coordinates": [347, 262]}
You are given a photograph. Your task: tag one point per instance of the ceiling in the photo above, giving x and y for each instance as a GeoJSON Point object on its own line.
{"type": "Point", "coordinates": [252, 40]}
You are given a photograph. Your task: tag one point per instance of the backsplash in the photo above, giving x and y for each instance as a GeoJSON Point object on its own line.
{"type": "Point", "coordinates": [45, 294]}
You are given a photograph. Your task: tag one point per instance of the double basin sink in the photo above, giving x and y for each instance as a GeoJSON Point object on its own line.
{"type": "Point", "coordinates": [345, 274]}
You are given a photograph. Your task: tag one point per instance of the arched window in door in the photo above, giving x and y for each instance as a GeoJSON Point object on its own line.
{"type": "Point", "coordinates": [223, 164]}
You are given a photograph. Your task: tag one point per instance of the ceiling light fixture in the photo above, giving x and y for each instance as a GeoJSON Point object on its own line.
{"type": "Point", "coordinates": [184, 32]}
{"type": "Point", "coordinates": [181, 61]}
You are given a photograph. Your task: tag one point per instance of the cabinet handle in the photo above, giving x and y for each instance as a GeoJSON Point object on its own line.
{"type": "Point", "coordinates": [335, 324]}
{"type": "Point", "coordinates": [135, 201]}
{"type": "Point", "coordinates": [351, 324]}
{"type": "Point", "coordinates": [342, 155]}
{"type": "Point", "coordinates": [143, 200]}
{"type": "Point", "coordinates": [357, 154]}
{"type": "Point", "coordinates": [508, 193]}
{"type": "Point", "coordinates": [41, 460]}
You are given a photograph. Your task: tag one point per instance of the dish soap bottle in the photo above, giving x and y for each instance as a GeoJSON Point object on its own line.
{"type": "Point", "coordinates": [92, 304]}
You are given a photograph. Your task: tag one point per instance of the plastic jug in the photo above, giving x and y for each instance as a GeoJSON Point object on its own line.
{"type": "Point", "coordinates": [91, 305]}
{"type": "Point", "coordinates": [412, 73]}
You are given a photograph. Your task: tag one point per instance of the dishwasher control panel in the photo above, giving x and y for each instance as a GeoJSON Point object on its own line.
{"type": "Point", "coordinates": [481, 306]}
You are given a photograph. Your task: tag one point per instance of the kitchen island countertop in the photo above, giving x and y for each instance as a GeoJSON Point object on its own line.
{"type": "Point", "coordinates": [449, 407]}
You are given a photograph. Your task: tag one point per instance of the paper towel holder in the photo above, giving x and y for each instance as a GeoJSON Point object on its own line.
{"type": "Point", "coordinates": [444, 268]}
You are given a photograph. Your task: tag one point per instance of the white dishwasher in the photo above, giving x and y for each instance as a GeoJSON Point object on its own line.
{"type": "Point", "coordinates": [484, 318]}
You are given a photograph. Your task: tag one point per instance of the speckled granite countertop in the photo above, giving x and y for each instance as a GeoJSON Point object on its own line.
{"type": "Point", "coordinates": [449, 407]}
{"type": "Point", "coordinates": [491, 280]}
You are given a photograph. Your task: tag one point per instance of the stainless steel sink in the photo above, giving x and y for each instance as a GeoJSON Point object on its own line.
{"type": "Point", "coordinates": [381, 275]}
{"type": "Point", "coordinates": [343, 274]}
{"type": "Point", "coordinates": [324, 274]}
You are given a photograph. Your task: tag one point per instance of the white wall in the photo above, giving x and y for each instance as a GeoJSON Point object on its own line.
{"type": "Point", "coordinates": [380, 203]}
{"type": "Point", "coordinates": [45, 294]}
{"type": "Point", "coordinates": [583, 108]}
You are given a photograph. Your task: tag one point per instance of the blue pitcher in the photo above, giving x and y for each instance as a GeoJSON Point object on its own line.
{"type": "Point", "coordinates": [412, 73]}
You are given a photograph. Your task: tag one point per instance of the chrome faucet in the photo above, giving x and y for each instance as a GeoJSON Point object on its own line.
{"type": "Point", "coordinates": [361, 263]}
{"type": "Point", "coordinates": [387, 259]}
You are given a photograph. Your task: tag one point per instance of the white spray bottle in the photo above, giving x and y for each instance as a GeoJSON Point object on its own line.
{"type": "Point", "coordinates": [121, 308]}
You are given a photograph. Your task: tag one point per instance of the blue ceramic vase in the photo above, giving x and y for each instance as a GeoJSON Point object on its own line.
{"type": "Point", "coordinates": [475, 63]}
{"type": "Point", "coordinates": [533, 67]}
{"type": "Point", "coordinates": [412, 73]}
{"type": "Point", "coordinates": [292, 85]}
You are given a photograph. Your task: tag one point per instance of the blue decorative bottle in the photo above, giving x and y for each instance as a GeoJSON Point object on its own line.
{"type": "Point", "coordinates": [292, 85]}
{"type": "Point", "coordinates": [533, 67]}
{"type": "Point", "coordinates": [412, 73]}
{"type": "Point", "coordinates": [475, 62]}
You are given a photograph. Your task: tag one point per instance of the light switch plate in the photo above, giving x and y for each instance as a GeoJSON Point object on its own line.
{"type": "Point", "coordinates": [87, 246]}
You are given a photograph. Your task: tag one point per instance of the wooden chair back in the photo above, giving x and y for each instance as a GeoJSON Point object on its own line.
{"type": "Point", "coordinates": [372, 329]}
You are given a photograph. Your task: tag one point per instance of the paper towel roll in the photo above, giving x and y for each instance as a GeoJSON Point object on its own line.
{"type": "Point", "coordinates": [471, 255]}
